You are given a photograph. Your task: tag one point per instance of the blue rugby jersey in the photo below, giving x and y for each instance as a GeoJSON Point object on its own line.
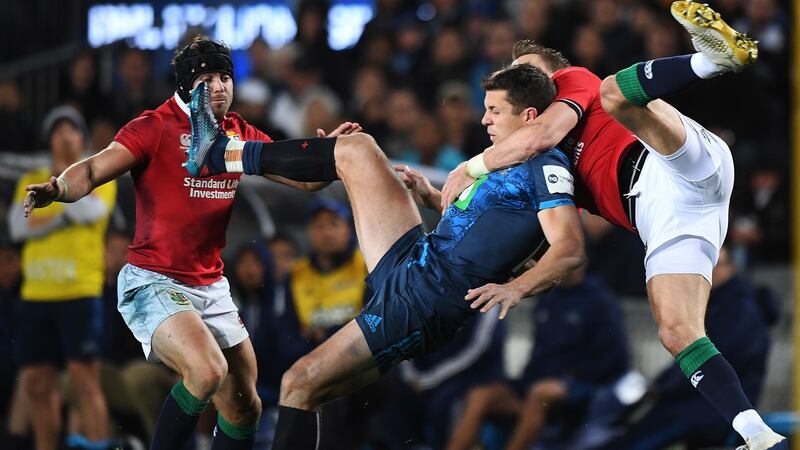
{"type": "Point", "coordinates": [493, 226]}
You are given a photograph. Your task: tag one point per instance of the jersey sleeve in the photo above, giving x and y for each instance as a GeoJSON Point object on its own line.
{"type": "Point", "coordinates": [140, 136]}
{"type": "Point", "coordinates": [577, 87]}
{"type": "Point", "coordinates": [553, 184]}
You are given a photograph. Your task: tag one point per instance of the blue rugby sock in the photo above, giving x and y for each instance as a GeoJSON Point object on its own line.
{"type": "Point", "coordinates": [713, 376]}
{"type": "Point", "coordinates": [297, 429]}
{"type": "Point", "coordinates": [644, 82]}
{"type": "Point", "coordinates": [177, 419]}
{"type": "Point", "coordinates": [232, 437]}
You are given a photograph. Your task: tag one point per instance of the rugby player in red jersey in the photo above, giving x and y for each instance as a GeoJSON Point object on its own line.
{"type": "Point", "coordinates": [174, 263]}
{"type": "Point", "coordinates": [644, 166]}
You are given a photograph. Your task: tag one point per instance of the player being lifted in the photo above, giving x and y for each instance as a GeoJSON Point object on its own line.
{"type": "Point", "coordinates": [670, 182]}
{"type": "Point", "coordinates": [419, 279]}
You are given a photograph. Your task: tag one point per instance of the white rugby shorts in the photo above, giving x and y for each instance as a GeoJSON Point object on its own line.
{"type": "Point", "coordinates": [682, 204]}
{"type": "Point", "coordinates": [146, 298]}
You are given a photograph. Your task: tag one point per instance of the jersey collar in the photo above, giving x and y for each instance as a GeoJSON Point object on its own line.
{"type": "Point", "coordinates": [181, 104]}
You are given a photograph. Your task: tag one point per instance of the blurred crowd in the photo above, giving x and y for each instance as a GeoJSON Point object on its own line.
{"type": "Point", "coordinates": [413, 82]}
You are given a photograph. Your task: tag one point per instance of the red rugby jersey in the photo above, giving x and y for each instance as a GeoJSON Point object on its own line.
{"type": "Point", "coordinates": [596, 144]}
{"type": "Point", "coordinates": [180, 220]}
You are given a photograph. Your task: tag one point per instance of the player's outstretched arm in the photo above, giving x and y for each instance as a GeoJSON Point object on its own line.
{"type": "Point", "coordinates": [420, 186]}
{"type": "Point", "coordinates": [80, 178]}
{"type": "Point", "coordinates": [544, 133]}
{"type": "Point", "coordinates": [563, 231]}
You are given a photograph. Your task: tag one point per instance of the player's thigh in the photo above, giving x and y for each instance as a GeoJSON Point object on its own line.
{"type": "Point", "coordinates": [341, 365]}
{"type": "Point", "coordinates": [678, 297]}
{"type": "Point", "coordinates": [658, 125]}
{"type": "Point", "coordinates": [185, 344]}
{"type": "Point", "coordinates": [238, 397]}
{"type": "Point", "coordinates": [383, 209]}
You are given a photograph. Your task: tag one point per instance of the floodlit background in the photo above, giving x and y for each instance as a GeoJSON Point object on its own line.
{"type": "Point", "coordinates": [409, 72]}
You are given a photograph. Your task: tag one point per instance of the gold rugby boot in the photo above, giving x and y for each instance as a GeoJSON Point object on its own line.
{"type": "Point", "coordinates": [713, 37]}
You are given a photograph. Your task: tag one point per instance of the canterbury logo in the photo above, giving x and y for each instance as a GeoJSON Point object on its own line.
{"type": "Point", "coordinates": [648, 70]}
{"type": "Point", "coordinates": [696, 378]}
{"type": "Point", "coordinates": [304, 145]}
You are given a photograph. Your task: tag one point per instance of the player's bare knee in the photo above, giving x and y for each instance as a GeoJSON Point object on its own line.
{"type": "Point", "coordinates": [611, 96]}
{"type": "Point", "coordinates": [36, 384]}
{"type": "Point", "coordinates": [676, 335]}
{"type": "Point", "coordinates": [354, 149]}
{"type": "Point", "coordinates": [479, 397]}
{"type": "Point", "coordinates": [544, 391]}
{"type": "Point", "coordinates": [204, 379]}
{"type": "Point", "coordinates": [86, 386]}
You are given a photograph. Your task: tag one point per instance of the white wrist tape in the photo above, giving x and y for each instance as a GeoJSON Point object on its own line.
{"type": "Point", "coordinates": [62, 189]}
{"type": "Point", "coordinates": [476, 167]}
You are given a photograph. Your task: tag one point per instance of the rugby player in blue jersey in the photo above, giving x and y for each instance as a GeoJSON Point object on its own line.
{"type": "Point", "coordinates": [420, 279]}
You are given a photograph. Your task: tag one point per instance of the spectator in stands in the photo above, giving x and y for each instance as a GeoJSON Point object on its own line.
{"type": "Point", "coordinates": [740, 313]}
{"type": "Point", "coordinates": [322, 113]}
{"type": "Point", "coordinates": [441, 380]}
{"type": "Point", "coordinates": [534, 21]}
{"type": "Point", "coordinates": [138, 89]}
{"type": "Point", "coordinates": [429, 146]}
{"type": "Point", "coordinates": [328, 287]}
{"type": "Point", "coordinates": [766, 21]}
{"type": "Point", "coordinates": [252, 101]}
{"type": "Point", "coordinates": [606, 17]}
{"type": "Point", "coordinates": [402, 115]}
{"type": "Point", "coordinates": [461, 125]}
{"type": "Point", "coordinates": [145, 385]}
{"type": "Point", "coordinates": [378, 51]}
{"type": "Point", "coordinates": [497, 43]}
{"type": "Point", "coordinates": [13, 121]}
{"type": "Point", "coordinates": [9, 303]}
{"type": "Point", "coordinates": [590, 51]}
{"type": "Point", "coordinates": [759, 216]}
{"type": "Point", "coordinates": [662, 39]}
{"type": "Point", "coordinates": [81, 89]}
{"type": "Point", "coordinates": [277, 339]}
{"type": "Point", "coordinates": [409, 47]}
{"type": "Point", "coordinates": [448, 61]}
{"type": "Point", "coordinates": [133, 388]}
{"type": "Point", "coordinates": [328, 290]}
{"type": "Point", "coordinates": [303, 87]}
{"type": "Point", "coordinates": [579, 347]}
{"type": "Point", "coordinates": [102, 131]}
{"type": "Point", "coordinates": [384, 20]}
{"type": "Point", "coordinates": [62, 259]}
{"type": "Point", "coordinates": [312, 41]}
{"type": "Point", "coordinates": [259, 55]}
{"type": "Point", "coordinates": [367, 104]}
